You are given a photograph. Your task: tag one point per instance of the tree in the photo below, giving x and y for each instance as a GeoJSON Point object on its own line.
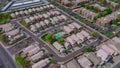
{"type": "Point", "coordinates": [109, 10]}
{"type": "Point", "coordinates": [95, 34]}
{"type": "Point", "coordinates": [61, 40]}
{"type": "Point", "coordinates": [90, 49]}
{"type": "Point", "coordinates": [50, 37]}
{"type": "Point", "coordinates": [114, 22]}
{"type": "Point", "coordinates": [88, 7]}
{"type": "Point", "coordinates": [118, 17]}
{"type": "Point", "coordinates": [48, 54]}
{"type": "Point", "coordinates": [52, 61]}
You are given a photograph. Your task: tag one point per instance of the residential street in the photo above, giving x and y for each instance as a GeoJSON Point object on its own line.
{"type": "Point", "coordinates": [5, 59]}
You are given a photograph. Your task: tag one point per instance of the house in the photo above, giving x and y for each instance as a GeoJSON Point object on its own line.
{"type": "Point", "coordinates": [67, 45]}
{"type": "Point", "coordinates": [30, 10]}
{"type": "Point", "coordinates": [86, 13]}
{"type": "Point", "coordinates": [33, 9]}
{"type": "Point", "coordinates": [37, 9]}
{"type": "Point", "coordinates": [36, 17]}
{"type": "Point", "coordinates": [37, 56]}
{"type": "Point", "coordinates": [67, 29]}
{"type": "Point", "coordinates": [47, 22]}
{"type": "Point", "coordinates": [8, 26]}
{"type": "Point", "coordinates": [42, 24]}
{"type": "Point", "coordinates": [59, 18]}
{"type": "Point", "coordinates": [33, 51]}
{"type": "Point", "coordinates": [13, 15]}
{"type": "Point", "coordinates": [86, 34]}
{"type": "Point", "coordinates": [41, 63]}
{"type": "Point", "coordinates": [116, 44]}
{"type": "Point", "coordinates": [40, 16]}
{"type": "Point", "coordinates": [73, 64]}
{"type": "Point", "coordinates": [58, 46]}
{"type": "Point", "coordinates": [57, 12]}
{"type": "Point", "coordinates": [54, 66]}
{"type": "Point", "coordinates": [76, 25]}
{"type": "Point", "coordinates": [55, 19]}
{"type": "Point", "coordinates": [64, 17]}
{"type": "Point", "coordinates": [17, 14]}
{"type": "Point", "coordinates": [27, 20]}
{"type": "Point", "coordinates": [70, 40]}
{"type": "Point", "coordinates": [71, 26]}
{"type": "Point", "coordinates": [45, 7]}
{"type": "Point", "coordinates": [41, 8]}
{"type": "Point", "coordinates": [75, 38]}
{"type": "Point", "coordinates": [33, 28]}
{"type": "Point", "coordinates": [48, 13]}
{"type": "Point", "coordinates": [98, 6]}
{"type": "Point", "coordinates": [21, 12]}
{"type": "Point", "coordinates": [91, 56]}
{"type": "Point", "coordinates": [32, 19]}
{"type": "Point", "coordinates": [12, 33]}
{"type": "Point", "coordinates": [103, 55]}
{"type": "Point", "coordinates": [38, 25]}
{"type": "Point", "coordinates": [52, 6]}
{"type": "Point", "coordinates": [80, 36]}
{"type": "Point", "coordinates": [51, 13]}
{"type": "Point", "coordinates": [45, 15]}
{"type": "Point", "coordinates": [108, 49]}
{"type": "Point", "coordinates": [84, 62]}
{"type": "Point", "coordinates": [26, 12]}
{"type": "Point", "coordinates": [52, 21]}
{"type": "Point", "coordinates": [25, 50]}
{"type": "Point", "coordinates": [18, 36]}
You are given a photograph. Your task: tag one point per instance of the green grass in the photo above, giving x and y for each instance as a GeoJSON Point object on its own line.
{"type": "Point", "coordinates": [2, 38]}
{"type": "Point", "coordinates": [43, 36]}
{"type": "Point", "coordinates": [53, 61]}
{"type": "Point", "coordinates": [4, 17]}
{"type": "Point", "coordinates": [50, 38]}
{"type": "Point", "coordinates": [24, 23]}
{"type": "Point", "coordinates": [110, 34]}
{"type": "Point", "coordinates": [21, 61]}
{"type": "Point", "coordinates": [90, 49]}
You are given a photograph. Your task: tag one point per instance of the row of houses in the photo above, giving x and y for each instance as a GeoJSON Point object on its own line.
{"type": "Point", "coordinates": [99, 7]}
{"type": "Point", "coordinates": [105, 20]}
{"type": "Point", "coordinates": [11, 32]}
{"type": "Point", "coordinates": [112, 3]}
{"type": "Point", "coordinates": [70, 27]}
{"type": "Point", "coordinates": [106, 52]}
{"type": "Point", "coordinates": [40, 16]}
{"type": "Point", "coordinates": [73, 1]}
{"type": "Point", "coordinates": [31, 10]}
{"type": "Point", "coordinates": [73, 39]}
{"type": "Point", "coordinates": [35, 55]}
{"type": "Point", "coordinates": [89, 60]}
{"type": "Point", "coordinates": [48, 22]}
{"type": "Point", "coordinates": [78, 38]}
{"type": "Point", "coordinates": [86, 13]}
{"type": "Point", "coordinates": [95, 59]}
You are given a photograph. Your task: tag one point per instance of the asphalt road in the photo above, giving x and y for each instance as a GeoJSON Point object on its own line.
{"type": "Point", "coordinates": [5, 59]}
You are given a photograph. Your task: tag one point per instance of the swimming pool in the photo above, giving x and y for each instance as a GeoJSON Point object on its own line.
{"type": "Point", "coordinates": [58, 36]}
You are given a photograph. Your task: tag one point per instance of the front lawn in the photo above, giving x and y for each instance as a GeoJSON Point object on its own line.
{"type": "Point", "coordinates": [21, 61]}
